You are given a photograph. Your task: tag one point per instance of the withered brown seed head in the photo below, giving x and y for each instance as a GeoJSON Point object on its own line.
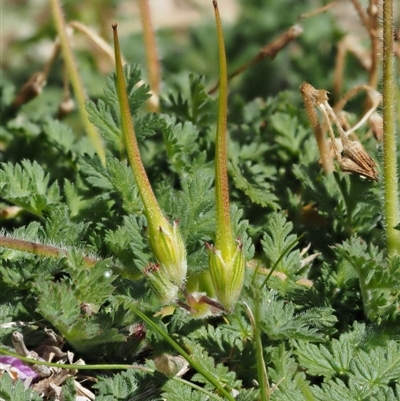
{"type": "Point", "coordinates": [356, 160]}
{"type": "Point", "coordinates": [317, 96]}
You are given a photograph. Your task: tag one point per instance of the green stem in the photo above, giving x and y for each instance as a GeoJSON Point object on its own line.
{"type": "Point", "coordinates": [365, 295]}
{"type": "Point", "coordinates": [275, 265]}
{"type": "Point", "coordinates": [75, 80]}
{"type": "Point", "coordinates": [104, 367]}
{"type": "Point", "coordinates": [152, 209]}
{"type": "Point", "coordinates": [389, 138]}
{"type": "Point", "coordinates": [262, 374]}
{"type": "Point", "coordinates": [224, 236]}
{"type": "Point", "coordinates": [192, 362]}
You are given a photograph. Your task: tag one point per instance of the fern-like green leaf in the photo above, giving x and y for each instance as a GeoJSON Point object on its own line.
{"type": "Point", "coordinates": [80, 321]}
{"type": "Point", "coordinates": [121, 387]}
{"type": "Point", "coordinates": [258, 193]}
{"type": "Point", "coordinates": [180, 392]}
{"type": "Point", "coordinates": [123, 182]}
{"type": "Point", "coordinates": [278, 244]}
{"type": "Point", "coordinates": [321, 361]}
{"type": "Point", "coordinates": [284, 370]}
{"type": "Point", "coordinates": [240, 227]}
{"type": "Point", "coordinates": [291, 134]}
{"type": "Point", "coordinates": [61, 137]}
{"type": "Point", "coordinates": [181, 145]}
{"type": "Point", "coordinates": [218, 341]}
{"type": "Point", "coordinates": [221, 372]}
{"type": "Point", "coordinates": [129, 245]}
{"type": "Point", "coordinates": [95, 173]}
{"type": "Point", "coordinates": [16, 391]}
{"type": "Point", "coordinates": [338, 391]}
{"type": "Point", "coordinates": [69, 390]}
{"type": "Point", "coordinates": [106, 120]}
{"type": "Point", "coordinates": [279, 320]}
{"type": "Point", "coordinates": [61, 230]}
{"type": "Point", "coordinates": [28, 186]}
{"type": "Point", "coordinates": [380, 280]}
{"type": "Point", "coordinates": [105, 115]}
{"type": "Point", "coordinates": [377, 367]}
{"type": "Point", "coordinates": [199, 108]}
{"type": "Point", "coordinates": [194, 207]}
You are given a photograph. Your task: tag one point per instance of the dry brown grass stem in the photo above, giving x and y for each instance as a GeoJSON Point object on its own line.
{"type": "Point", "coordinates": [318, 10]}
{"type": "Point", "coordinates": [152, 59]}
{"type": "Point", "coordinates": [37, 81]}
{"type": "Point", "coordinates": [370, 20]}
{"type": "Point", "coordinates": [270, 51]}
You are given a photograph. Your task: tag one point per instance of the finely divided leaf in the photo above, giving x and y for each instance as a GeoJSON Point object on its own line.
{"type": "Point", "coordinates": [195, 206]}
{"type": "Point", "coordinates": [284, 370]}
{"type": "Point", "coordinates": [120, 387]}
{"type": "Point", "coordinates": [16, 391]}
{"type": "Point", "coordinates": [69, 390]}
{"type": "Point", "coordinates": [123, 182]}
{"type": "Point", "coordinates": [291, 134]}
{"type": "Point", "coordinates": [95, 173]}
{"type": "Point", "coordinates": [28, 186]}
{"type": "Point", "coordinates": [278, 244]}
{"type": "Point", "coordinates": [106, 120]}
{"type": "Point", "coordinates": [177, 391]}
{"type": "Point", "coordinates": [61, 230]}
{"type": "Point", "coordinates": [379, 278]}
{"type": "Point", "coordinates": [137, 95]}
{"type": "Point", "coordinates": [199, 108]}
{"type": "Point", "coordinates": [129, 245]}
{"type": "Point", "coordinates": [321, 361]}
{"type": "Point", "coordinates": [377, 367]}
{"type": "Point", "coordinates": [258, 193]}
{"type": "Point", "coordinates": [218, 341]}
{"type": "Point", "coordinates": [224, 376]}
{"type": "Point", "coordinates": [105, 115]}
{"type": "Point", "coordinates": [279, 320]}
{"type": "Point", "coordinates": [182, 147]}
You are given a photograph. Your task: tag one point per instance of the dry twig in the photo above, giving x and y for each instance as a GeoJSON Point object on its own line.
{"type": "Point", "coordinates": [270, 51]}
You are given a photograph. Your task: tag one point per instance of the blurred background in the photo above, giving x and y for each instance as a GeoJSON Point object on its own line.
{"type": "Point", "coordinates": [186, 41]}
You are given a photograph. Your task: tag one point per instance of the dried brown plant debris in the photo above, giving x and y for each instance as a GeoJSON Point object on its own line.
{"type": "Point", "coordinates": [350, 154]}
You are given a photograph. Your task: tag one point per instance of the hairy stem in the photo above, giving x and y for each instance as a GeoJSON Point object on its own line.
{"type": "Point", "coordinates": [391, 201]}
{"type": "Point", "coordinates": [76, 83]}
{"type": "Point", "coordinates": [224, 236]}
{"type": "Point", "coordinates": [39, 249]}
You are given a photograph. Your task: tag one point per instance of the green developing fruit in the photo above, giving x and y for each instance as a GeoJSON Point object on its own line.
{"type": "Point", "coordinates": [162, 286]}
{"type": "Point", "coordinates": [227, 275]}
{"type": "Point", "coordinates": [169, 250]}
